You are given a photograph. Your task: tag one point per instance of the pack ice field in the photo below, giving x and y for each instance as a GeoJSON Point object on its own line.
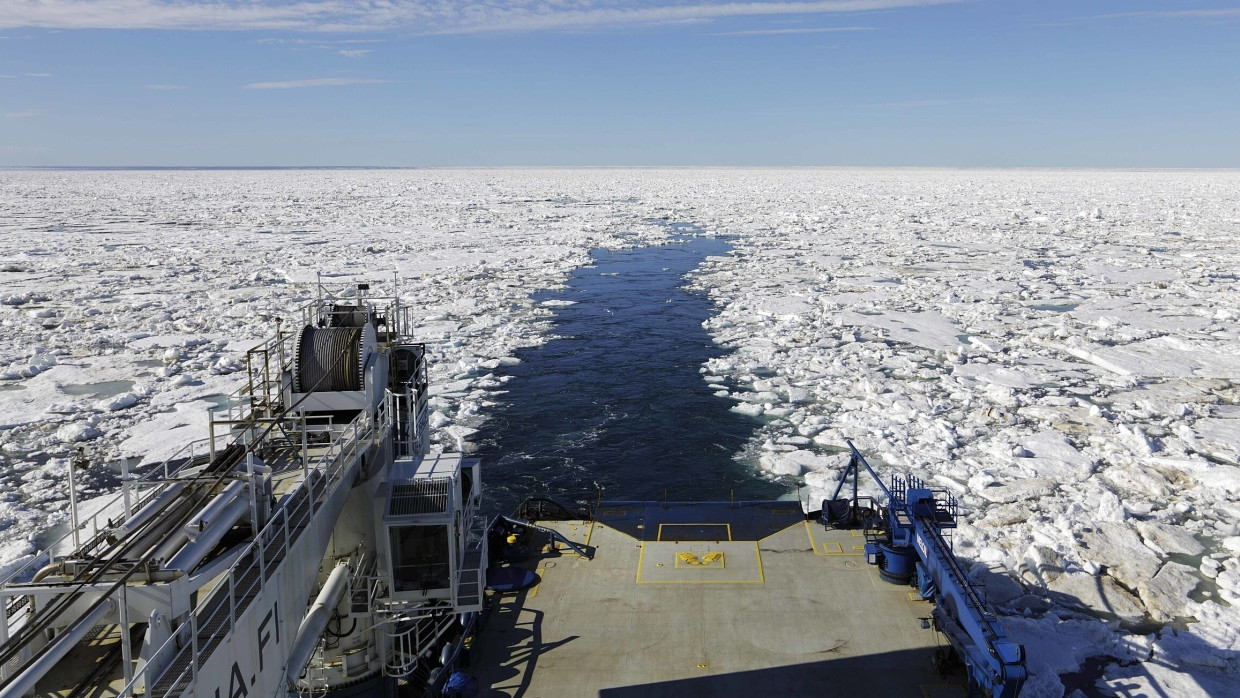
{"type": "Point", "coordinates": [1059, 349]}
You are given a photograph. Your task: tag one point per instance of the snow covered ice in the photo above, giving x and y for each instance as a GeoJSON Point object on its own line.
{"type": "Point", "coordinates": [1060, 349]}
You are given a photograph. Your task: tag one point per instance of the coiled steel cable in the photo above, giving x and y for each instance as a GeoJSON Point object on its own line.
{"type": "Point", "coordinates": [315, 345]}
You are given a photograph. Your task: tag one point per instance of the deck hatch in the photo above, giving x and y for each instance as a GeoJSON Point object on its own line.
{"type": "Point", "coordinates": [420, 497]}
{"type": "Point", "coordinates": [694, 531]}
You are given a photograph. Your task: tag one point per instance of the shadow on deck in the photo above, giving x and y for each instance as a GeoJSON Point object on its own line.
{"type": "Point", "coordinates": [869, 675]}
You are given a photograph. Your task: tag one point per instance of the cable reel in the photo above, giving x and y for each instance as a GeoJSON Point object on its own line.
{"type": "Point", "coordinates": [332, 359]}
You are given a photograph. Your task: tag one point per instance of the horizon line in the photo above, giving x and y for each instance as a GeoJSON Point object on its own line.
{"type": "Point", "coordinates": [138, 168]}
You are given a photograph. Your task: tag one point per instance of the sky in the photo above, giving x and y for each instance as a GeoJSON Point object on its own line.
{"type": "Point", "coordinates": [433, 83]}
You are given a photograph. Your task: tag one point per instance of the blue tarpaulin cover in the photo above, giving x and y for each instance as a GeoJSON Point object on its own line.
{"type": "Point", "coordinates": [460, 685]}
{"type": "Point", "coordinates": [506, 579]}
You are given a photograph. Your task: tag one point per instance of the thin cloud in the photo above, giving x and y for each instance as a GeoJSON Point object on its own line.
{"type": "Point", "coordinates": [929, 103]}
{"type": "Point", "coordinates": [337, 46]}
{"type": "Point", "coordinates": [1173, 14]}
{"type": "Point", "coordinates": [312, 82]}
{"type": "Point", "coordinates": [532, 19]}
{"type": "Point", "coordinates": [1223, 13]}
{"type": "Point", "coordinates": [22, 114]}
{"type": "Point", "coordinates": [316, 43]}
{"type": "Point", "coordinates": [794, 30]}
{"type": "Point", "coordinates": [164, 87]}
{"type": "Point", "coordinates": [40, 75]}
{"type": "Point", "coordinates": [416, 16]}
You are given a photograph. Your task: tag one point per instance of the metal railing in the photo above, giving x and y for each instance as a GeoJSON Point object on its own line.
{"type": "Point", "coordinates": [946, 508]}
{"type": "Point", "coordinates": [540, 508]}
{"type": "Point", "coordinates": [398, 319]}
{"type": "Point", "coordinates": [174, 667]}
{"type": "Point", "coordinates": [153, 482]}
{"type": "Point", "coordinates": [410, 636]}
{"type": "Point", "coordinates": [467, 587]}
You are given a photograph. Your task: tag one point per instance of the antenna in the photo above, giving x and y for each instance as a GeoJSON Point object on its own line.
{"type": "Point", "coordinates": [397, 325]}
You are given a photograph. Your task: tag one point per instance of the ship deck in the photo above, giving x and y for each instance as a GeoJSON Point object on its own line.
{"type": "Point", "coordinates": [707, 600]}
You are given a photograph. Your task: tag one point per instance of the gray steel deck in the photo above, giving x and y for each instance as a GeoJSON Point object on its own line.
{"type": "Point", "coordinates": [797, 613]}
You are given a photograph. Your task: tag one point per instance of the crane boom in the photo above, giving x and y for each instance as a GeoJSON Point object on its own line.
{"type": "Point", "coordinates": [905, 540]}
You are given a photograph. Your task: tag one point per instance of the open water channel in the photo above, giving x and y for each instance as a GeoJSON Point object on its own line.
{"type": "Point", "coordinates": [617, 399]}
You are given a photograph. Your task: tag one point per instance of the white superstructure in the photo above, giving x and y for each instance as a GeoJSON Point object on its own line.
{"type": "Point", "coordinates": [308, 545]}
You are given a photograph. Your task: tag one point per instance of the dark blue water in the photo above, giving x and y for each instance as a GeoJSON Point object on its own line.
{"type": "Point", "coordinates": [618, 400]}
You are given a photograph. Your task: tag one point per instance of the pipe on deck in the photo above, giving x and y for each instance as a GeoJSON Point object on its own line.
{"type": "Point", "coordinates": [555, 535]}
{"type": "Point", "coordinates": [25, 682]}
{"type": "Point", "coordinates": [315, 622]}
{"type": "Point", "coordinates": [132, 525]}
{"type": "Point", "coordinates": [201, 524]}
{"type": "Point", "coordinates": [213, 510]}
{"type": "Point", "coordinates": [202, 543]}
{"type": "Point", "coordinates": [140, 517]}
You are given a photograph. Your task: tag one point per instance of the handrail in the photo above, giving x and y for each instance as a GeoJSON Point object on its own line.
{"type": "Point", "coordinates": [548, 509]}
{"type": "Point", "coordinates": [252, 417]}
{"type": "Point", "coordinates": [273, 539]}
{"type": "Point", "coordinates": [424, 630]}
{"type": "Point", "coordinates": [158, 477]}
{"type": "Point", "coordinates": [476, 542]}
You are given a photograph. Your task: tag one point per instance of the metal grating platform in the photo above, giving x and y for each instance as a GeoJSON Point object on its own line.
{"type": "Point", "coordinates": [420, 497]}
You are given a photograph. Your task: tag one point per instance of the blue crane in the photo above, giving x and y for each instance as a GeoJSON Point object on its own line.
{"type": "Point", "coordinates": [905, 540]}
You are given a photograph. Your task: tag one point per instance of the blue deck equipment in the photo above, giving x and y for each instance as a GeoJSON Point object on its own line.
{"type": "Point", "coordinates": [905, 539]}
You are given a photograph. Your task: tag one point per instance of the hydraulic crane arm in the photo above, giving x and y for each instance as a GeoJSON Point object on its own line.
{"type": "Point", "coordinates": [993, 660]}
{"type": "Point", "coordinates": [911, 548]}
